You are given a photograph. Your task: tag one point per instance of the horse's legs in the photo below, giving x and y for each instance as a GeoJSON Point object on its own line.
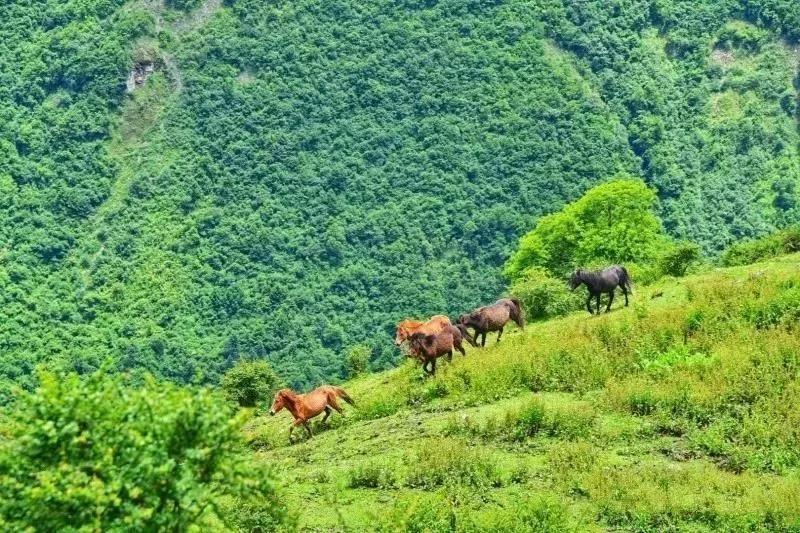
{"type": "Point", "coordinates": [460, 349]}
{"type": "Point", "coordinates": [294, 425]}
{"type": "Point", "coordinates": [308, 429]}
{"type": "Point", "coordinates": [333, 404]}
{"type": "Point", "coordinates": [483, 339]}
{"type": "Point", "coordinates": [610, 299]}
{"type": "Point", "coordinates": [599, 294]}
{"type": "Point", "coordinates": [327, 414]}
{"type": "Point", "coordinates": [625, 292]}
{"type": "Point", "coordinates": [433, 367]}
{"type": "Point", "coordinates": [499, 334]}
{"type": "Point", "coordinates": [450, 356]}
{"type": "Point", "coordinates": [589, 303]}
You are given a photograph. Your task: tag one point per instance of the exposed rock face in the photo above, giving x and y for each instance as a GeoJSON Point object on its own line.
{"type": "Point", "coordinates": [139, 74]}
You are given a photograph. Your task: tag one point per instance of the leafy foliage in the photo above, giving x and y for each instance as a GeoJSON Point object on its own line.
{"type": "Point", "coordinates": [543, 296]}
{"type": "Point", "coordinates": [677, 259]}
{"type": "Point", "coordinates": [748, 252]}
{"type": "Point", "coordinates": [613, 223]}
{"type": "Point", "coordinates": [294, 177]}
{"type": "Point", "coordinates": [97, 454]}
{"type": "Point", "coordinates": [357, 360]}
{"type": "Point", "coordinates": [250, 382]}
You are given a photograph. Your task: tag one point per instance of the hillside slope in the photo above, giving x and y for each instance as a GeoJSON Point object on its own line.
{"type": "Point", "coordinates": [677, 413]}
{"type": "Point", "coordinates": [286, 180]}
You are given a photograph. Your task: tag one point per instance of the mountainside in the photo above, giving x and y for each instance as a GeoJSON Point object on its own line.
{"type": "Point", "coordinates": [678, 413]}
{"type": "Point", "coordinates": [188, 182]}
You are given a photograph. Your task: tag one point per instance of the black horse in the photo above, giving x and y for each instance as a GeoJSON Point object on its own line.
{"type": "Point", "coordinates": [598, 282]}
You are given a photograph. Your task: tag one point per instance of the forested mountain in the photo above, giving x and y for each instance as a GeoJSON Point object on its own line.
{"type": "Point", "coordinates": [186, 183]}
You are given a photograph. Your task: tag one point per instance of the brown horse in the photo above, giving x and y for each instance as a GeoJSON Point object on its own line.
{"type": "Point", "coordinates": [408, 327]}
{"type": "Point", "coordinates": [306, 406]}
{"type": "Point", "coordinates": [430, 347]}
{"type": "Point", "coordinates": [494, 318]}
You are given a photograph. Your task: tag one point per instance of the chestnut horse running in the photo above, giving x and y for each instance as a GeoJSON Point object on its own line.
{"type": "Point", "coordinates": [408, 327]}
{"type": "Point", "coordinates": [306, 406]}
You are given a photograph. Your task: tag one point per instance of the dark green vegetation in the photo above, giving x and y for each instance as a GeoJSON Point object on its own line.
{"type": "Point", "coordinates": [679, 413]}
{"type": "Point", "coordinates": [101, 455]}
{"type": "Point", "coordinates": [288, 179]}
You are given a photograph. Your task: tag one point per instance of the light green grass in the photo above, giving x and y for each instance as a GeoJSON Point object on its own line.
{"type": "Point", "coordinates": [678, 413]}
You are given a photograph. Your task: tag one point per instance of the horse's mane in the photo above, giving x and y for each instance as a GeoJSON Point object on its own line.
{"type": "Point", "coordinates": [289, 395]}
{"type": "Point", "coordinates": [588, 275]}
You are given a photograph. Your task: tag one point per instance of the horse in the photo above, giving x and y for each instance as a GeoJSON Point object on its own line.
{"type": "Point", "coordinates": [306, 406]}
{"type": "Point", "coordinates": [602, 281]}
{"type": "Point", "coordinates": [430, 347]}
{"type": "Point", "coordinates": [408, 327]}
{"type": "Point", "coordinates": [494, 318]}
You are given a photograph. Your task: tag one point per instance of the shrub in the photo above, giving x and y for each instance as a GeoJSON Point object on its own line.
{"type": "Point", "coordinates": [249, 382]}
{"type": "Point", "coordinates": [184, 5]}
{"type": "Point", "coordinates": [439, 462]}
{"type": "Point", "coordinates": [356, 360]}
{"type": "Point", "coordinates": [102, 456]}
{"type": "Point", "coordinates": [527, 422]}
{"type": "Point", "coordinates": [543, 514]}
{"type": "Point", "coordinates": [753, 251]}
{"type": "Point", "coordinates": [371, 476]}
{"type": "Point", "coordinates": [543, 296]}
{"type": "Point", "coordinates": [677, 259]}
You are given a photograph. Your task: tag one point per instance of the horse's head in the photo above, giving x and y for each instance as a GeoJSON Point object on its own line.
{"type": "Point", "coordinates": [575, 280]}
{"type": "Point", "coordinates": [401, 334]}
{"type": "Point", "coordinates": [463, 319]}
{"type": "Point", "coordinates": [279, 402]}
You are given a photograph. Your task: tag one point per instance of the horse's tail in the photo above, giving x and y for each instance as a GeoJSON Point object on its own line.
{"type": "Point", "coordinates": [344, 396]}
{"type": "Point", "coordinates": [626, 279]}
{"type": "Point", "coordinates": [517, 313]}
{"type": "Point", "coordinates": [465, 334]}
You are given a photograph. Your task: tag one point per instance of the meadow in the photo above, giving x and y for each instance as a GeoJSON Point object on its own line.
{"type": "Point", "coordinates": [678, 413]}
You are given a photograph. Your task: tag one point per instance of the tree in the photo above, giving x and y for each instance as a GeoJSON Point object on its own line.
{"type": "Point", "coordinates": [614, 222]}
{"type": "Point", "coordinates": [250, 382]}
{"type": "Point", "coordinates": [357, 360]}
{"type": "Point", "coordinates": [99, 455]}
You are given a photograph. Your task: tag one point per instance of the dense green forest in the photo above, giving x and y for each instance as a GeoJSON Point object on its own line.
{"type": "Point", "coordinates": [286, 180]}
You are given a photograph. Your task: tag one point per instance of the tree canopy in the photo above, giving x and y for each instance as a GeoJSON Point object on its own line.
{"type": "Point", "coordinates": [614, 222]}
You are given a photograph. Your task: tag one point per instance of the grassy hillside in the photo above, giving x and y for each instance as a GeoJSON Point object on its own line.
{"type": "Point", "coordinates": [677, 413]}
{"type": "Point", "coordinates": [187, 183]}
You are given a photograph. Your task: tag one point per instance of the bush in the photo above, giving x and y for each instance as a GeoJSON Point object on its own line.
{"type": "Point", "coordinates": [748, 252]}
{"type": "Point", "coordinates": [356, 360]}
{"type": "Point", "coordinates": [184, 5]}
{"type": "Point", "coordinates": [445, 462]}
{"type": "Point", "coordinates": [249, 382]}
{"type": "Point", "coordinates": [543, 296]}
{"type": "Point", "coordinates": [678, 258]}
{"type": "Point", "coordinates": [371, 476]}
{"type": "Point", "coordinates": [102, 456]}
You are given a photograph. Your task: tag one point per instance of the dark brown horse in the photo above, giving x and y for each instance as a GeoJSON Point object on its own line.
{"type": "Point", "coordinates": [602, 281]}
{"type": "Point", "coordinates": [494, 318]}
{"type": "Point", "coordinates": [306, 406]}
{"type": "Point", "coordinates": [428, 348]}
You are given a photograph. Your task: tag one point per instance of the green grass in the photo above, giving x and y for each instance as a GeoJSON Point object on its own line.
{"type": "Point", "coordinates": [681, 412]}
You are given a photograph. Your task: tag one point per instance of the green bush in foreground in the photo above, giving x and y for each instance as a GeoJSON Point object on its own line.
{"type": "Point", "coordinates": [98, 455]}
{"type": "Point", "coordinates": [249, 382]}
